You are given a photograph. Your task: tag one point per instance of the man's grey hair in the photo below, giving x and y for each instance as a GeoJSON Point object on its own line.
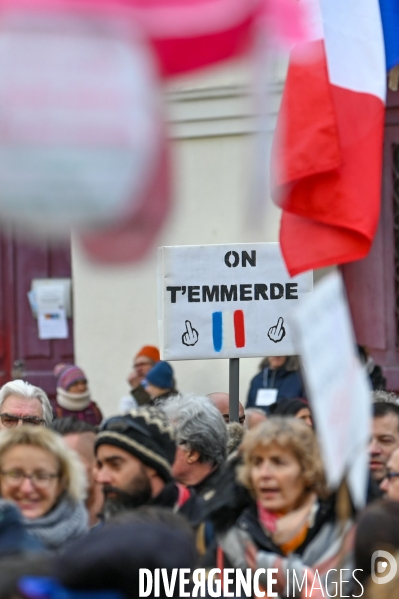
{"type": "Point", "coordinates": [28, 391]}
{"type": "Point", "coordinates": [199, 426]}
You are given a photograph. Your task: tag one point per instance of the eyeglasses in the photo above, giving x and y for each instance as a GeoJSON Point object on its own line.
{"type": "Point", "coordinates": [39, 479]}
{"type": "Point", "coordinates": [122, 424]}
{"type": "Point", "coordinates": [138, 364]}
{"type": "Point", "coordinates": [390, 475]}
{"type": "Point", "coordinates": [11, 420]}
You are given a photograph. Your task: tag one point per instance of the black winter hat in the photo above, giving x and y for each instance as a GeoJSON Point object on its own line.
{"type": "Point", "coordinates": [111, 557]}
{"type": "Point", "coordinates": [147, 434]}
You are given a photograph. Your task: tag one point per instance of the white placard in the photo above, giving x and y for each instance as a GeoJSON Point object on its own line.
{"type": "Point", "coordinates": [336, 383]}
{"type": "Point", "coordinates": [226, 301]}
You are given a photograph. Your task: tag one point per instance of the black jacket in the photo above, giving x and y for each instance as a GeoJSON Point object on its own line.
{"type": "Point", "coordinates": [207, 486]}
{"type": "Point", "coordinates": [192, 506]}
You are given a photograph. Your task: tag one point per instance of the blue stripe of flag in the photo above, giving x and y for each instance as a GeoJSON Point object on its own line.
{"type": "Point", "coordinates": [390, 24]}
{"type": "Point", "coordinates": [217, 330]}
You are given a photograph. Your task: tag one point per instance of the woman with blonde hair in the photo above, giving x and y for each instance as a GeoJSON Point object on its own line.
{"type": "Point", "coordinates": [291, 524]}
{"type": "Point", "coordinates": [46, 481]}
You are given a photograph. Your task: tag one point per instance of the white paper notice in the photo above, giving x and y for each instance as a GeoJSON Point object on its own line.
{"type": "Point", "coordinates": [266, 397]}
{"type": "Point", "coordinates": [51, 314]}
{"type": "Point", "coordinates": [50, 297]}
{"type": "Point", "coordinates": [226, 301]}
{"type": "Point", "coordinates": [336, 383]}
{"type": "Point", "coordinates": [52, 324]}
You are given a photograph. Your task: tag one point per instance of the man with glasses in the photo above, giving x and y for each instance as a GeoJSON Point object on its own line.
{"type": "Point", "coordinates": [144, 360]}
{"type": "Point", "coordinates": [22, 403]}
{"type": "Point", "coordinates": [390, 484]}
{"type": "Point", "coordinates": [134, 456]}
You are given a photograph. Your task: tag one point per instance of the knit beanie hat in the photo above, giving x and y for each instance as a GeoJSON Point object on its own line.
{"type": "Point", "coordinates": [160, 375]}
{"type": "Point", "coordinates": [150, 352]}
{"type": "Point", "coordinates": [147, 434]}
{"type": "Point", "coordinates": [68, 374]}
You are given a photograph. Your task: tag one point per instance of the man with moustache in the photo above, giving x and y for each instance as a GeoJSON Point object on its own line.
{"type": "Point", "coordinates": [134, 454]}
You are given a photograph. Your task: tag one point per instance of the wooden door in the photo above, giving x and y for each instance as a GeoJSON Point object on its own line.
{"type": "Point", "coordinates": [22, 353]}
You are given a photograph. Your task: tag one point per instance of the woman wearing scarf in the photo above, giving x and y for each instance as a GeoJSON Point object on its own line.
{"type": "Point", "coordinates": [73, 396]}
{"type": "Point", "coordinates": [46, 482]}
{"type": "Point", "coordinates": [291, 525]}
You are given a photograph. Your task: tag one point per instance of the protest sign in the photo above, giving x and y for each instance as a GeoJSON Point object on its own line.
{"type": "Point", "coordinates": [226, 301]}
{"type": "Point", "coordinates": [336, 383]}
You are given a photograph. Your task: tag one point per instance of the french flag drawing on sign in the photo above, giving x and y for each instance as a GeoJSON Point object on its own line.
{"type": "Point", "coordinates": [228, 330]}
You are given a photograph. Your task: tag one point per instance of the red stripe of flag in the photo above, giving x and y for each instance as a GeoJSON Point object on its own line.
{"type": "Point", "coordinates": [239, 328]}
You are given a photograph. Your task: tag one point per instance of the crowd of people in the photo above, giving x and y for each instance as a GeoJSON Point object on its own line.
{"type": "Point", "coordinates": [169, 482]}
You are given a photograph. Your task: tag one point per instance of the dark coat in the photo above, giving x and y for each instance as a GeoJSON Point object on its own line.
{"type": "Point", "coordinates": [207, 486]}
{"type": "Point", "coordinates": [140, 395]}
{"type": "Point", "coordinates": [188, 504]}
{"type": "Point", "coordinates": [288, 383]}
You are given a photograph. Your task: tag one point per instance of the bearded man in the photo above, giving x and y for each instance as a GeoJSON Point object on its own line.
{"type": "Point", "coordinates": [134, 454]}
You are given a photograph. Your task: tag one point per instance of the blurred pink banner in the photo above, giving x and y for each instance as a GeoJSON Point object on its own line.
{"type": "Point", "coordinates": [82, 138]}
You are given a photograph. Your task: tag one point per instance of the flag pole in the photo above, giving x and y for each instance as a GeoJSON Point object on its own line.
{"type": "Point", "coordinates": [234, 392]}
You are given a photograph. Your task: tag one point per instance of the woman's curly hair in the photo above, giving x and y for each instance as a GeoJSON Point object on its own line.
{"type": "Point", "coordinates": [291, 434]}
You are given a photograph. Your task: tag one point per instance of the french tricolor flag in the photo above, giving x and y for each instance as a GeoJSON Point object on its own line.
{"type": "Point", "coordinates": [228, 330]}
{"type": "Point", "coordinates": [327, 155]}
{"type": "Point", "coordinates": [390, 25]}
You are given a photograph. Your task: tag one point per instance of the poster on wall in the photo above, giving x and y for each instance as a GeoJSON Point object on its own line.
{"type": "Point", "coordinates": [51, 312]}
{"type": "Point", "coordinates": [226, 301]}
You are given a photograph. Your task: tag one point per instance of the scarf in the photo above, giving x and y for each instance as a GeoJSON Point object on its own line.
{"type": "Point", "coordinates": [289, 531]}
{"type": "Point", "coordinates": [76, 402]}
{"type": "Point", "coordinates": [68, 520]}
{"type": "Point", "coordinates": [330, 548]}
